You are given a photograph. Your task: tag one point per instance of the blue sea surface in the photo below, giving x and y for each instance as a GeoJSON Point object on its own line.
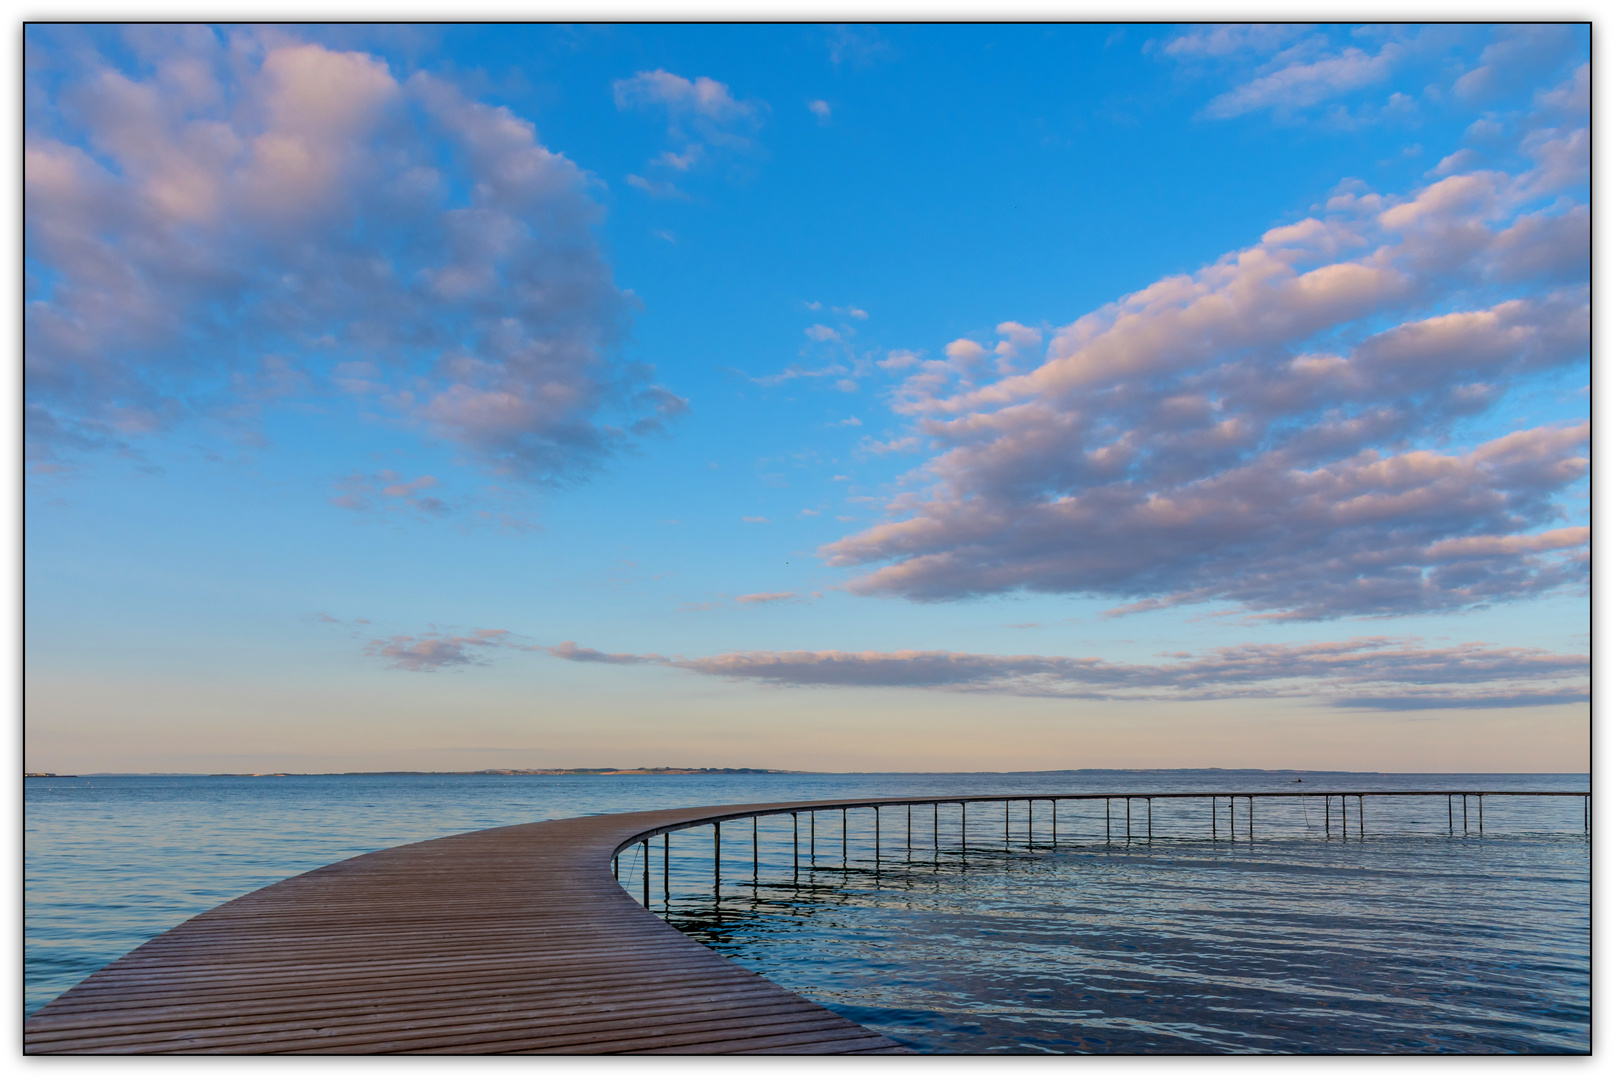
{"type": "Point", "coordinates": [1007, 928]}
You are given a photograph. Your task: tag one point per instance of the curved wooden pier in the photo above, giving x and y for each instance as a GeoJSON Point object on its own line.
{"type": "Point", "coordinates": [509, 940]}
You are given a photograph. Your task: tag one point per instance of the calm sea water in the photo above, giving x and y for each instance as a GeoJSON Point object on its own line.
{"type": "Point", "coordinates": [981, 935]}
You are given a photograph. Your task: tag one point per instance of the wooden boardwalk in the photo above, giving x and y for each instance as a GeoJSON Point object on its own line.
{"type": "Point", "coordinates": [509, 940]}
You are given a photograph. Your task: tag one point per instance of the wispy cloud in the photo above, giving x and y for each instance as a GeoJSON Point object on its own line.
{"type": "Point", "coordinates": [764, 597]}
{"type": "Point", "coordinates": [1361, 673]}
{"type": "Point", "coordinates": [1301, 85]}
{"type": "Point", "coordinates": [435, 651]}
{"type": "Point", "coordinates": [388, 489]}
{"type": "Point", "coordinates": [859, 46]}
{"type": "Point", "coordinates": [704, 119]}
{"type": "Point", "coordinates": [569, 650]}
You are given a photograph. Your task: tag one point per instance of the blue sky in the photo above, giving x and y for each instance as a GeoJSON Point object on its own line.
{"type": "Point", "coordinates": [804, 396]}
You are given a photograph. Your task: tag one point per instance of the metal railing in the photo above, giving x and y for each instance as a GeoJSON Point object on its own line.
{"type": "Point", "coordinates": [1221, 822]}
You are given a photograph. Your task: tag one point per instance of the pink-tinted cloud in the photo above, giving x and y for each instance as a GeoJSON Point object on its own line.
{"type": "Point", "coordinates": [1275, 429]}
{"type": "Point", "coordinates": [389, 490]}
{"type": "Point", "coordinates": [704, 121]}
{"type": "Point", "coordinates": [1367, 672]}
{"type": "Point", "coordinates": [1306, 83]}
{"type": "Point", "coordinates": [438, 651]}
{"type": "Point", "coordinates": [255, 197]}
{"type": "Point", "coordinates": [569, 650]}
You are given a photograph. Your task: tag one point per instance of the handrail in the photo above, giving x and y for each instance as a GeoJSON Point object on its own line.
{"type": "Point", "coordinates": [511, 939]}
{"type": "Point", "coordinates": [761, 810]}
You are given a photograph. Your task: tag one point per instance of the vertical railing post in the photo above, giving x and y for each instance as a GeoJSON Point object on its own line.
{"type": "Point", "coordinates": [1028, 824]}
{"type": "Point", "coordinates": [1054, 822]}
{"type": "Point", "coordinates": [754, 853]}
{"type": "Point", "coordinates": [667, 892]}
{"type": "Point", "coordinates": [646, 891]}
{"type": "Point", "coordinates": [1449, 815]}
{"type": "Point", "coordinates": [1480, 808]}
{"type": "Point", "coordinates": [877, 835]}
{"type": "Point", "coordinates": [1129, 819]}
{"type": "Point", "coordinates": [1107, 820]}
{"type": "Point", "coordinates": [1359, 817]}
{"type": "Point", "coordinates": [717, 850]}
{"type": "Point", "coordinates": [1149, 820]}
{"type": "Point", "coordinates": [1006, 826]}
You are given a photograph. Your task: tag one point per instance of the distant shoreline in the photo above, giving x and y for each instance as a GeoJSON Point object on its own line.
{"type": "Point", "coordinates": [675, 771]}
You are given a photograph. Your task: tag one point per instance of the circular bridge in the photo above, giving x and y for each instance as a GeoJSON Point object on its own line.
{"type": "Point", "coordinates": [516, 939]}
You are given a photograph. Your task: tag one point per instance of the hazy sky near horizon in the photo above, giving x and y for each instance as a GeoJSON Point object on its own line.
{"type": "Point", "coordinates": [795, 396]}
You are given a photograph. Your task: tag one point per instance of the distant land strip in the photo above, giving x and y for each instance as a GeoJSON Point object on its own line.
{"type": "Point", "coordinates": [661, 770]}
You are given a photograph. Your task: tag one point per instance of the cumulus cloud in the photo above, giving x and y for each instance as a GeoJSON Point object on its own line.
{"type": "Point", "coordinates": [1276, 429]}
{"type": "Point", "coordinates": [242, 197]}
{"type": "Point", "coordinates": [1366, 672]}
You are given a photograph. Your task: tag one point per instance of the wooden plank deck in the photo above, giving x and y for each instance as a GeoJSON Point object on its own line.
{"type": "Point", "coordinates": [508, 940]}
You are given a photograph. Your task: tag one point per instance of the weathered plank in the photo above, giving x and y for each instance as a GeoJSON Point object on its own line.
{"type": "Point", "coordinates": [508, 940]}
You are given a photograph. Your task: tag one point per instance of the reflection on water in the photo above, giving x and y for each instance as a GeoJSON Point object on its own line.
{"type": "Point", "coordinates": [1401, 942]}
{"type": "Point", "coordinates": [967, 933]}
